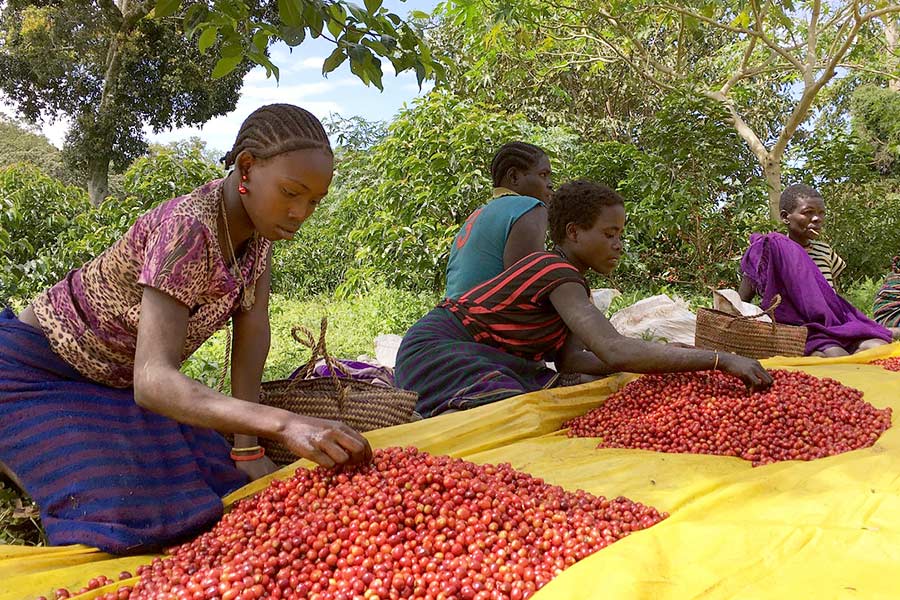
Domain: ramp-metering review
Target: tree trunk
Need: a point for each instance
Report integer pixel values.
(772, 170)
(892, 37)
(103, 119)
(769, 160)
(98, 182)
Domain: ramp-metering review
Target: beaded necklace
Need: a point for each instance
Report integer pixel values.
(235, 267)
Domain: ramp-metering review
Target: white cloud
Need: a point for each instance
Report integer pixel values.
(56, 131)
(427, 86)
(313, 62)
(295, 93)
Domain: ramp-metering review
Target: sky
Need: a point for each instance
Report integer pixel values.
(301, 83)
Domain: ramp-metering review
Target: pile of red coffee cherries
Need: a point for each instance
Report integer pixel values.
(408, 525)
(891, 364)
(800, 417)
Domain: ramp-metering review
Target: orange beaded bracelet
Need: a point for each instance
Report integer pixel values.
(254, 453)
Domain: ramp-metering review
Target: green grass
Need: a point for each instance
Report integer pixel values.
(19, 520)
(861, 294)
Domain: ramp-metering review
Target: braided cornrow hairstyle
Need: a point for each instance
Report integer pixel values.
(275, 129)
(514, 155)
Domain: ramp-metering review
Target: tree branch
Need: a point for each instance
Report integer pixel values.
(132, 12)
(801, 110)
(837, 17)
(580, 33)
(874, 14)
(646, 55)
(742, 70)
(760, 31)
(112, 13)
(864, 69)
(702, 18)
(811, 41)
(744, 130)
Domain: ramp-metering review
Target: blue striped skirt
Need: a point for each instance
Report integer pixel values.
(104, 471)
(440, 360)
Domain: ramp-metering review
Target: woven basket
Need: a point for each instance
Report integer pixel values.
(363, 406)
(717, 330)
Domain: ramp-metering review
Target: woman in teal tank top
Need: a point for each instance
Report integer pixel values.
(512, 225)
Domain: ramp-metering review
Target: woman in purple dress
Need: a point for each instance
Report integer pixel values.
(802, 270)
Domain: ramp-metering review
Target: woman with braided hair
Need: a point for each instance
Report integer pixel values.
(118, 447)
(510, 226)
(490, 343)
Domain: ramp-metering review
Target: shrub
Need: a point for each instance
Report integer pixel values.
(35, 210)
(48, 228)
(413, 190)
(864, 225)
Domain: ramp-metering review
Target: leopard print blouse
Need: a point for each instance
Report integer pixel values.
(91, 317)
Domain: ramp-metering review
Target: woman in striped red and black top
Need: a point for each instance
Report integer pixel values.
(491, 342)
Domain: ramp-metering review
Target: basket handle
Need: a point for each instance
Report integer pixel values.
(770, 312)
(304, 336)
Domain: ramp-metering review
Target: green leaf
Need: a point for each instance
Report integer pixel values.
(418, 14)
(372, 6)
(290, 13)
(375, 73)
(378, 47)
(226, 65)
(235, 10)
(420, 73)
(166, 8)
(263, 60)
(314, 20)
(742, 20)
(261, 40)
(389, 42)
(361, 64)
(335, 26)
(357, 12)
(293, 36)
(358, 53)
(232, 49)
(207, 38)
(195, 16)
(334, 60)
(338, 12)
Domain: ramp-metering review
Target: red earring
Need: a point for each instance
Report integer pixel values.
(242, 188)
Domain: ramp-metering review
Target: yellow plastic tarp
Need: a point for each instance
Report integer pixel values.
(828, 528)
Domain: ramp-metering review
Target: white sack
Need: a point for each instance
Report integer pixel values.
(657, 318)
